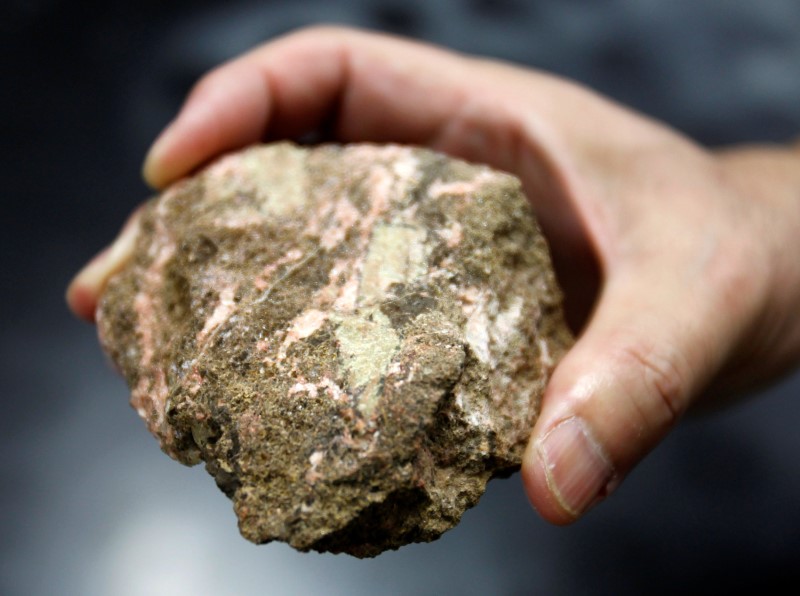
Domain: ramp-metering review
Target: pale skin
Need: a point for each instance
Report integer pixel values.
(680, 264)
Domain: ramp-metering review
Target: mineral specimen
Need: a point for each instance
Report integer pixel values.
(353, 339)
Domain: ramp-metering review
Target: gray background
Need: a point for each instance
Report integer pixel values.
(89, 504)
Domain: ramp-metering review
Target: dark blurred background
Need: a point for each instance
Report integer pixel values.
(90, 506)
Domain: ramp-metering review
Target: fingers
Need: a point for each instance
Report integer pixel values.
(85, 289)
(650, 347)
(384, 88)
(359, 87)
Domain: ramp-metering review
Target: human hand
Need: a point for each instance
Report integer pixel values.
(679, 265)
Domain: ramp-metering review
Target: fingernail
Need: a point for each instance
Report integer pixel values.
(152, 161)
(175, 146)
(578, 471)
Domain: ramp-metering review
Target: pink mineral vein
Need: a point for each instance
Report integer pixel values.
(149, 396)
(222, 312)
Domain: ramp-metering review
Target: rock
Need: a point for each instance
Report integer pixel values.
(353, 339)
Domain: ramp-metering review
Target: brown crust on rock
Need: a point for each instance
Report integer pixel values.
(353, 339)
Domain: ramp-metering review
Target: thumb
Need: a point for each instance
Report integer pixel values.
(619, 390)
(86, 287)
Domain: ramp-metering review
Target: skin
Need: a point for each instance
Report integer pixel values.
(679, 263)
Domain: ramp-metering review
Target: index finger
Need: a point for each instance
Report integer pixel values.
(368, 87)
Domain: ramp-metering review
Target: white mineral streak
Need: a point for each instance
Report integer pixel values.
(545, 358)
(406, 169)
(239, 220)
(222, 312)
(305, 325)
(301, 327)
(506, 324)
(333, 390)
(403, 375)
(476, 413)
(309, 388)
(367, 344)
(262, 281)
(386, 185)
(440, 188)
(396, 254)
(315, 459)
(334, 291)
(345, 217)
(477, 331)
(348, 296)
(488, 329)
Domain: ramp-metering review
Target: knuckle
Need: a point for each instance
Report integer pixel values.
(662, 373)
(324, 30)
(739, 285)
(206, 84)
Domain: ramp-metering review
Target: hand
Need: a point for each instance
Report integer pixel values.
(680, 265)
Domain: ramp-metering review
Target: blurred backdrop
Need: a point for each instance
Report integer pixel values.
(90, 506)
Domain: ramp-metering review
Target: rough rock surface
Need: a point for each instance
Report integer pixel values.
(353, 339)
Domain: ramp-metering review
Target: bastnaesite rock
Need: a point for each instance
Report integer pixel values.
(354, 339)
